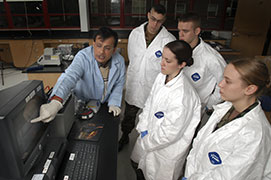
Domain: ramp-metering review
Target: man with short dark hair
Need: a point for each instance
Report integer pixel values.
(207, 70)
(96, 73)
(145, 45)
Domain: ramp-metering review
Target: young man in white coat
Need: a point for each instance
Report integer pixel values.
(208, 67)
(145, 45)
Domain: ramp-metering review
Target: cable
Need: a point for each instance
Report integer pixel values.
(31, 50)
(26, 18)
(63, 10)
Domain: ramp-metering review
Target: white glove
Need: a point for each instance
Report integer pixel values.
(116, 110)
(48, 111)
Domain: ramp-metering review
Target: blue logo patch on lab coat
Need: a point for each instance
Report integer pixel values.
(214, 158)
(195, 77)
(158, 53)
(159, 114)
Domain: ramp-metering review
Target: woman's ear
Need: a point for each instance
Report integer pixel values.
(182, 65)
(251, 89)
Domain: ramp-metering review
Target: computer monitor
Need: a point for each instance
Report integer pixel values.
(21, 142)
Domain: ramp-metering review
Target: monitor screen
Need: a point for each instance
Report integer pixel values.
(28, 134)
(21, 142)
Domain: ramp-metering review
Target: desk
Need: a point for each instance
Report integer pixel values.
(225, 51)
(49, 74)
(108, 142)
(107, 164)
(108, 147)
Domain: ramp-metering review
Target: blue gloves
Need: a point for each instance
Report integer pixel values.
(144, 133)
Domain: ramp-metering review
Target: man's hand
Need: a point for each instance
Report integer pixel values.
(116, 110)
(48, 111)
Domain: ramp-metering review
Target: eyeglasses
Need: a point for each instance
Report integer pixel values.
(159, 21)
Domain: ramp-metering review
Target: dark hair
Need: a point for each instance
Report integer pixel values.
(182, 51)
(253, 72)
(191, 17)
(105, 33)
(159, 8)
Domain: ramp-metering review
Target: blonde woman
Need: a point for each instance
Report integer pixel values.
(235, 143)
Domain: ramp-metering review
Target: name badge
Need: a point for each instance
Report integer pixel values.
(195, 77)
(158, 53)
(214, 158)
(159, 114)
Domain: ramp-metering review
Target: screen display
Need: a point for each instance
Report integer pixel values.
(28, 134)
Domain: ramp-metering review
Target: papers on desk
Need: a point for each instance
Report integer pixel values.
(53, 56)
(68, 57)
(88, 132)
(49, 60)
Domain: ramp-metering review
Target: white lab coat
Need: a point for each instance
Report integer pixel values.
(144, 64)
(171, 115)
(239, 150)
(206, 73)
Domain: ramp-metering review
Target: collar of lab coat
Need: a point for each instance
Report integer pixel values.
(142, 29)
(222, 109)
(197, 50)
(197, 43)
(172, 81)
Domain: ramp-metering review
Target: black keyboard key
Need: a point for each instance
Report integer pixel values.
(82, 163)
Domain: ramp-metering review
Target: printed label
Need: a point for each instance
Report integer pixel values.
(158, 53)
(30, 96)
(195, 77)
(214, 158)
(51, 155)
(39, 88)
(46, 166)
(72, 156)
(37, 177)
(159, 114)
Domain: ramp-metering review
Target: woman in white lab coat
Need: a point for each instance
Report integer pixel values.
(236, 141)
(169, 118)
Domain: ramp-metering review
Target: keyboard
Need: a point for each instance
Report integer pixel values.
(81, 162)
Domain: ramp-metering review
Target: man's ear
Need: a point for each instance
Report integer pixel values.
(148, 15)
(197, 31)
(251, 89)
(114, 50)
(165, 18)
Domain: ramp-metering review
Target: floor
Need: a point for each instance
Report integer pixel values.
(13, 76)
(125, 170)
